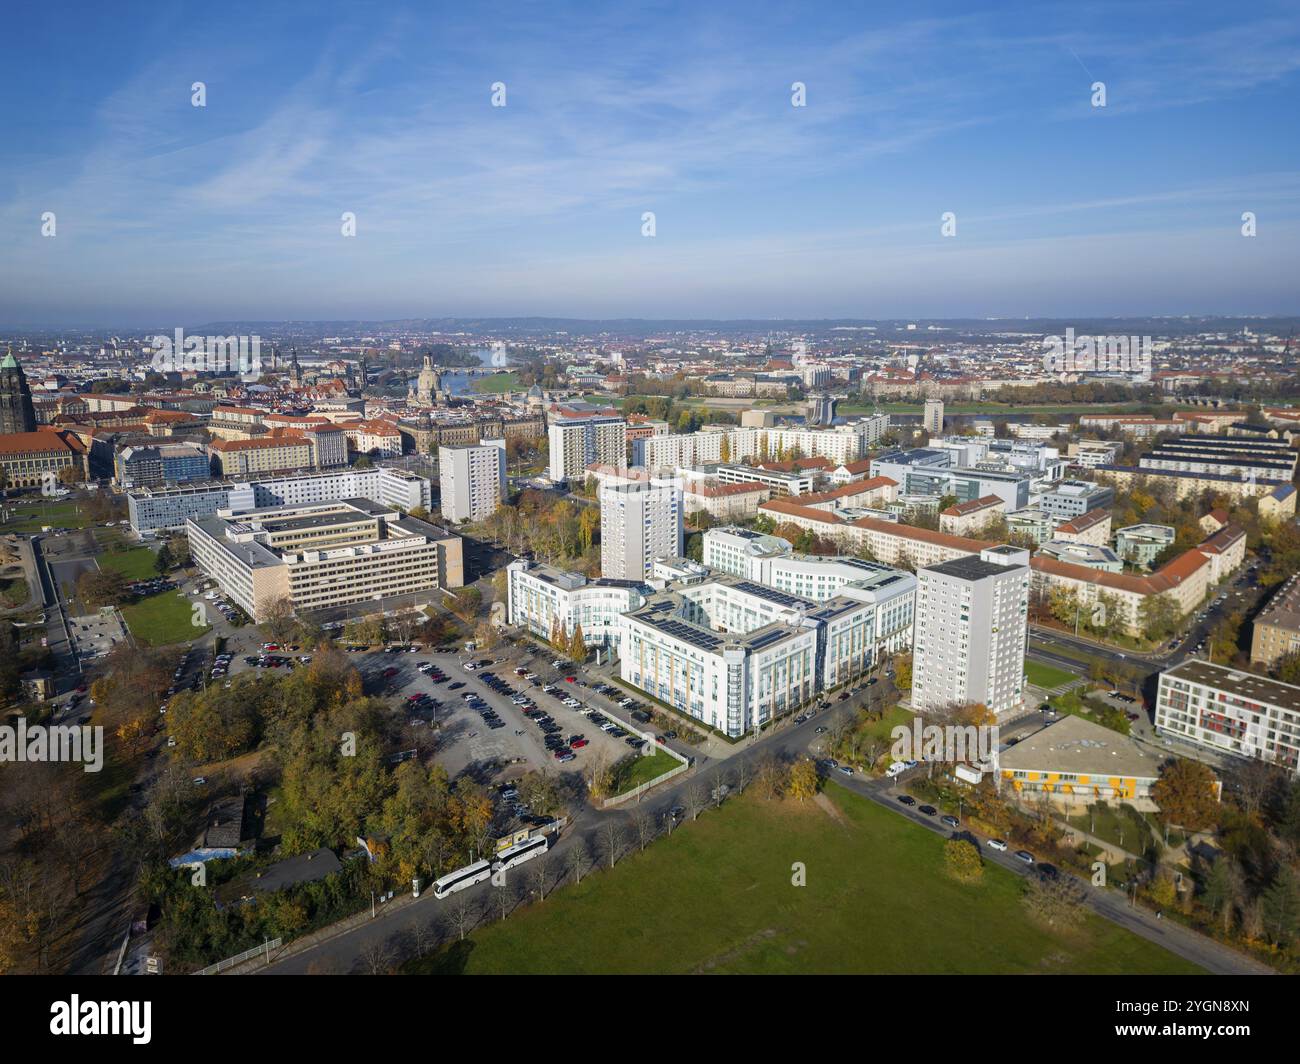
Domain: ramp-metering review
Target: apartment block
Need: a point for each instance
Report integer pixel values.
(1230, 712)
(970, 632)
(472, 480)
(639, 522)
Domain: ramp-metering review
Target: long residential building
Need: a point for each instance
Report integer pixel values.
(1275, 632)
(1126, 478)
(323, 555)
(1184, 581)
(1231, 712)
(748, 445)
(892, 543)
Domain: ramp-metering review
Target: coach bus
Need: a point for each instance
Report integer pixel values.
(520, 852)
(462, 878)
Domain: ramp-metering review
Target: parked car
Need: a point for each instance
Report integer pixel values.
(906, 799)
(997, 844)
(1025, 855)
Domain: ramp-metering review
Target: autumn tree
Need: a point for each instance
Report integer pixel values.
(962, 861)
(802, 780)
(577, 647)
(1187, 794)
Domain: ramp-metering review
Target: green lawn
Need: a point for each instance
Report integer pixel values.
(134, 564)
(1047, 676)
(31, 518)
(718, 897)
(1124, 827)
(499, 382)
(162, 619)
(634, 771)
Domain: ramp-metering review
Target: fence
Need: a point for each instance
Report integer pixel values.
(239, 958)
(636, 792)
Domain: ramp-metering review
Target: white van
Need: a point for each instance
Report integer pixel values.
(896, 769)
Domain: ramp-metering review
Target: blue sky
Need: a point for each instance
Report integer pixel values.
(171, 213)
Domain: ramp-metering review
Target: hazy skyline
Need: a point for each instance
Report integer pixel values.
(167, 211)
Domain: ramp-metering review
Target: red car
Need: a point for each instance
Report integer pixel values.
(570, 679)
(390, 672)
(578, 744)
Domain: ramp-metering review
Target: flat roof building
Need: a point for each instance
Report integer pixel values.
(1231, 712)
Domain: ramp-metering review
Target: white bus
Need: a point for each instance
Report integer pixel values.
(462, 878)
(520, 852)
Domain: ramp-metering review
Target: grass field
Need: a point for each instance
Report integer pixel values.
(498, 382)
(29, 519)
(162, 619)
(634, 771)
(718, 897)
(1047, 676)
(134, 564)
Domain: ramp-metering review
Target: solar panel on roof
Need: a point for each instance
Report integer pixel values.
(779, 597)
(687, 634)
(765, 638)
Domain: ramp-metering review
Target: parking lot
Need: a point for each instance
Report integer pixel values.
(490, 722)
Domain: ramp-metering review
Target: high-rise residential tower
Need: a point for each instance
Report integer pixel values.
(972, 616)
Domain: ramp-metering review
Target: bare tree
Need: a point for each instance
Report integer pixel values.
(744, 774)
(539, 875)
(770, 778)
(378, 958)
(505, 898)
(611, 834)
(643, 823)
(578, 859)
(695, 799)
(424, 936)
(463, 913)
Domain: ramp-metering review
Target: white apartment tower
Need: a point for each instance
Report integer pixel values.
(577, 442)
(933, 418)
(970, 630)
(639, 522)
(473, 480)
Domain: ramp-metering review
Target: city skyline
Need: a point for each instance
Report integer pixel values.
(167, 211)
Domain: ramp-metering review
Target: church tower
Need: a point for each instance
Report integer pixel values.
(16, 411)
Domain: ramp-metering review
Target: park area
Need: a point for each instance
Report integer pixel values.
(717, 897)
(162, 619)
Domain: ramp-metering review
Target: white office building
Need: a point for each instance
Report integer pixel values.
(158, 509)
(539, 596)
(970, 632)
(769, 560)
(639, 522)
(472, 479)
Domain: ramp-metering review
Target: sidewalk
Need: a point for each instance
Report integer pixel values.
(324, 934)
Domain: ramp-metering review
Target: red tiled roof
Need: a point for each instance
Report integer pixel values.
(1084, 521)
(963, 509)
